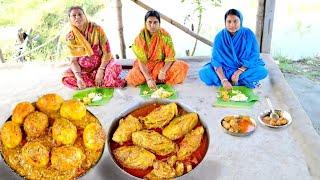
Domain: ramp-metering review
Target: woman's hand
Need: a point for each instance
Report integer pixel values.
(226, 84)
(162, 75)
(81, 84)
(235, 77)
(151, 84)
(99, 77)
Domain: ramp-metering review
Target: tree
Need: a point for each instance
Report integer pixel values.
(198, 10)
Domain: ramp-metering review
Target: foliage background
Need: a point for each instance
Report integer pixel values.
(293, 41)
(47, 18)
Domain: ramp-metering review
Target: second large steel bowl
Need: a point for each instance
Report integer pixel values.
(138, 105)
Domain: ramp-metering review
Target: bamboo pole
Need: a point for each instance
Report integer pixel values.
(175, 23)
(120, 28)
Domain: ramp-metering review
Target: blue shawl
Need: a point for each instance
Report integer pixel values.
(232, 52)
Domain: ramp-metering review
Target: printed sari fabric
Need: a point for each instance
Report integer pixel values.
(154, 51)
(232, 52)
(90, 48)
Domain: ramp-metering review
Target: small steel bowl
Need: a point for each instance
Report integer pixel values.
(135, 106)
(284, 114)
(239, 134)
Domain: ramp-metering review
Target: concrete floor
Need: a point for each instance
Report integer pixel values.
(308, 93)
(287, 153)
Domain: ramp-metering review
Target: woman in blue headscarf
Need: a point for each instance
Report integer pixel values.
(235, 56)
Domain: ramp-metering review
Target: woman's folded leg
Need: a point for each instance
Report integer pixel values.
(70, 80)
(135, 77)
(252, 76)
(209, 76)
(177, 73)
(112, 75)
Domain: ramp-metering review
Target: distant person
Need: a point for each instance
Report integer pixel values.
(21, 44)
(22, 35)
(155, 53)
(92, 64)
(235, 56)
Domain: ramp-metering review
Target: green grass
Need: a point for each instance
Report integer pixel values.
(285, 64)
(308, 66)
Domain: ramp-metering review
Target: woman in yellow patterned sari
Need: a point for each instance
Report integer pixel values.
(91, 60)
(155, 56)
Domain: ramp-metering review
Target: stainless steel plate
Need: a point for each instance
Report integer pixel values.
(239, 134)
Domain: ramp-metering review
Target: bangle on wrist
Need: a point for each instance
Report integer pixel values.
(241, 69)
(102, 68)
(224, 80)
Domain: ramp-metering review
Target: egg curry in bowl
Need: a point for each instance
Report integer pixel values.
(51, 139)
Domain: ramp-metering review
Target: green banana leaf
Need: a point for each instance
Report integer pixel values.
(252, 98)
(107, 94)
(144, 87)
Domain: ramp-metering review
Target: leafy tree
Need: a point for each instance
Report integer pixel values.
(198, 11)
(46, 17)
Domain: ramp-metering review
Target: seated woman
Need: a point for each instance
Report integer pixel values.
(235, 56)
(155, 56)
(91, 60)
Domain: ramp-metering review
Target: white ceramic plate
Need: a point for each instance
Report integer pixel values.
(285, 114)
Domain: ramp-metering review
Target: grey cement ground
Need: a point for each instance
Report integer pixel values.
(308, 93)
(287, 153)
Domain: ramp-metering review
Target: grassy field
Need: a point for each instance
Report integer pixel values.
(308, 67)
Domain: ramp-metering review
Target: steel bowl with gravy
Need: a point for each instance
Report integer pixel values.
(158, 139)
(52, 138)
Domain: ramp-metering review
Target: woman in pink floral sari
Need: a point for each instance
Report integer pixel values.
(91, 60)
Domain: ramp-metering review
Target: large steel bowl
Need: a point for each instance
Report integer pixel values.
(138, 105)
(16, 175)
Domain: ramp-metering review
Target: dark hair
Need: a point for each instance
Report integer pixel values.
(75, 7)
(233, 12)
(152, 13)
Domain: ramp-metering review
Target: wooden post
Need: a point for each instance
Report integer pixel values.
(259, 22)
(120, 28)
(264, 24)
(176, 24)
(1, 57)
